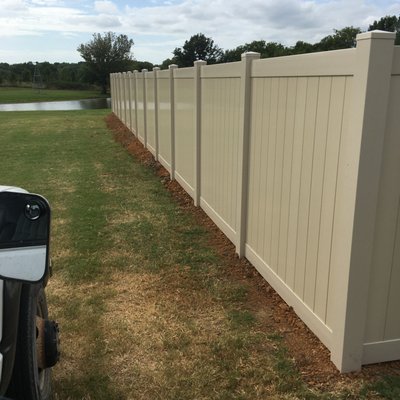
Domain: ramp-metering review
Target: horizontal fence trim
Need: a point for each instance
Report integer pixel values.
(149, 74)
(218, 220)
(396, 61)
(164, 163)
(182, 73)
(230, 70)
(330, 63)
(182, 181)
(321, 330)
(151, 148)
(163, 74)
(388, 350)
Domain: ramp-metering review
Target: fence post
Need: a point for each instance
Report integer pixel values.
(244, 136)
(156, 69)
(124, 96)
(129, 102)
(197, 130)
(357, 196)
(135, 72)
(172, 103)
(118, 78)
(144, 71)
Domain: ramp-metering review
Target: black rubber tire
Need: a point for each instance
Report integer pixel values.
(28, 382)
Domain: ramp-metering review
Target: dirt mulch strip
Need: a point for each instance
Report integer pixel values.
(311, 357)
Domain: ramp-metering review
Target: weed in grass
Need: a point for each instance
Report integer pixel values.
(241, 319)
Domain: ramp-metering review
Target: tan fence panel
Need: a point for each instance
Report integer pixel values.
(119, 94)
(132, 101)
(383, 320)
(296, 126)
(125, 99)
(184, 128)
(220, 121)
(150, 113)
(140, 106)
(164, 117)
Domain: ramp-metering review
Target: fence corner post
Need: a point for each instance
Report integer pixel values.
(157, 149)
(197, 130)
(357, 197)
(244, 136)
(171, 68)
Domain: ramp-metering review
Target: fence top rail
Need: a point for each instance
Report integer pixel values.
(149, 74)
(228, 70)
(163, 74)
(328, 63)
(396, 61)
(184, 72)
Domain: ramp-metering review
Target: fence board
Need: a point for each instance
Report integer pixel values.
(219, 146)
(184, 131)
(140, 106)
(164, 115)
(150, 113)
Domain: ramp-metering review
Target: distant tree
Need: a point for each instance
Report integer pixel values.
(139, 65)
(302, 47)
(198, 47)
(341, 39)
(105, 54)
(389, 24)
(166, 63)
(266, 49)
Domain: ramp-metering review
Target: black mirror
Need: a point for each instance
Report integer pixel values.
(24, 236)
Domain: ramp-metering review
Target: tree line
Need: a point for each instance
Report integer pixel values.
(109, 53)
(200, 47)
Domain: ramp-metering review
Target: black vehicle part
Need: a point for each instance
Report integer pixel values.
(11, 303)
(47, 343)
(29, 382)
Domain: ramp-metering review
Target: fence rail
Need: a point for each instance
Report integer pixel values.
(296, 159)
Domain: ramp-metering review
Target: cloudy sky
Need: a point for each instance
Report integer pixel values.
(51, 30)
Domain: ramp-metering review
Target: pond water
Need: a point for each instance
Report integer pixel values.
(87, 104)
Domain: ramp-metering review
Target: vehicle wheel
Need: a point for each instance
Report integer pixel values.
(29, 382)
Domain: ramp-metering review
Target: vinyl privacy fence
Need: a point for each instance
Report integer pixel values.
(297, 160)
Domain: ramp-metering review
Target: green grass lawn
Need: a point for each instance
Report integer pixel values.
(147, 308)
(10, 95)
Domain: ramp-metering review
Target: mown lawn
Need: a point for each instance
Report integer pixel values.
(10, 95)
(146, 306)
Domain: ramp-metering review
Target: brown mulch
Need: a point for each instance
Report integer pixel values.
(310, 356)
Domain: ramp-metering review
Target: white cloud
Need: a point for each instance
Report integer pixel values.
(105, 7)
(158, 26)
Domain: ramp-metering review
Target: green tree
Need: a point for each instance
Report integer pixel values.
(302, 47)
(105, 54)
(198, 47)
(341, 39)
(166, 63)
(389, 24)
(266, 49)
